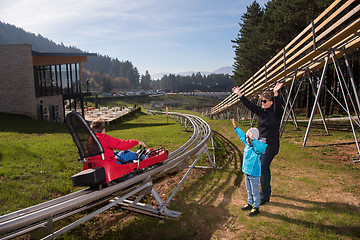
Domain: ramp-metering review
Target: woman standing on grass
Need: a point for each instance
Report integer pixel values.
(269, 117)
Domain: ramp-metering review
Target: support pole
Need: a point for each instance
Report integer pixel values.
(319, 107)
(288, 100)
(290, 113)
(291, 106)
(213, 148)
(347, 89)
(351, 74)
(88, 217)
(356, 121)
(167, 203)
(317, 98)
(336, 65)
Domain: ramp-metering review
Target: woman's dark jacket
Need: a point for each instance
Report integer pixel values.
(268, 122)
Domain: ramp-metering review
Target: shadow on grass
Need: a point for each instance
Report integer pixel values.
(314, 206)
(23, 124)
(342, 126)
(231, 151)
(219, 182)
(126, 225)
(317, 129)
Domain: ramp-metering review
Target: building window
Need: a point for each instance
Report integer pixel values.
(57, 79)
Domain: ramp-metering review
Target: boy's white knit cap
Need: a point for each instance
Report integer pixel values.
(255, 132)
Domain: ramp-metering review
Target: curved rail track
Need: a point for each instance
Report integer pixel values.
(39, 219)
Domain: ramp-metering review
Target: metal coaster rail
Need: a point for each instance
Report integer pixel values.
(39, 219)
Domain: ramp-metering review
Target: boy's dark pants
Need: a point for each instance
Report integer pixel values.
(265, 177)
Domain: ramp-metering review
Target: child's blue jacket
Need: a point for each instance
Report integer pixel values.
(252, 153)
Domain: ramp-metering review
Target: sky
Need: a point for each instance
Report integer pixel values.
(160, 36)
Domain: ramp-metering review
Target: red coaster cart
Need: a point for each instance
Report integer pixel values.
(104, 172)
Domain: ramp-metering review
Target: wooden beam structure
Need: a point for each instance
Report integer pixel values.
(336, 29)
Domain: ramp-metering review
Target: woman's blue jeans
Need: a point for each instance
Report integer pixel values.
(252, 188)
(265, 177)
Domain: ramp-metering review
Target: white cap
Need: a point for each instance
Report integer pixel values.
(255, 132)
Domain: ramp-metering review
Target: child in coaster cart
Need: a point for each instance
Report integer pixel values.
(110, 143)
(251, 166)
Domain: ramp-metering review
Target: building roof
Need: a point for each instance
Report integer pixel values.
(47, 58)
(61, 54)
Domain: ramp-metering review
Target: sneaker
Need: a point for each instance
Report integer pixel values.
(263, 201)
(254, 211)
(247, 207)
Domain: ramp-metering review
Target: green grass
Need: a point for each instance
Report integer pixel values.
(40, 157)
(35, 158)
(315, 195)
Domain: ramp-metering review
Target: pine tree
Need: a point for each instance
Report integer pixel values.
(246, 51)
(145, 80)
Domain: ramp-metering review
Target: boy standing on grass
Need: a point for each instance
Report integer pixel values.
(251, 166)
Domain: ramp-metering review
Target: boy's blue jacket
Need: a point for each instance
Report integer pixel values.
(252, 153)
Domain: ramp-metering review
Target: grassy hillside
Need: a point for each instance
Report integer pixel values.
(315, 191)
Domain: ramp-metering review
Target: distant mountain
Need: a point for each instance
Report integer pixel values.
(222, 70)
(10, 34)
